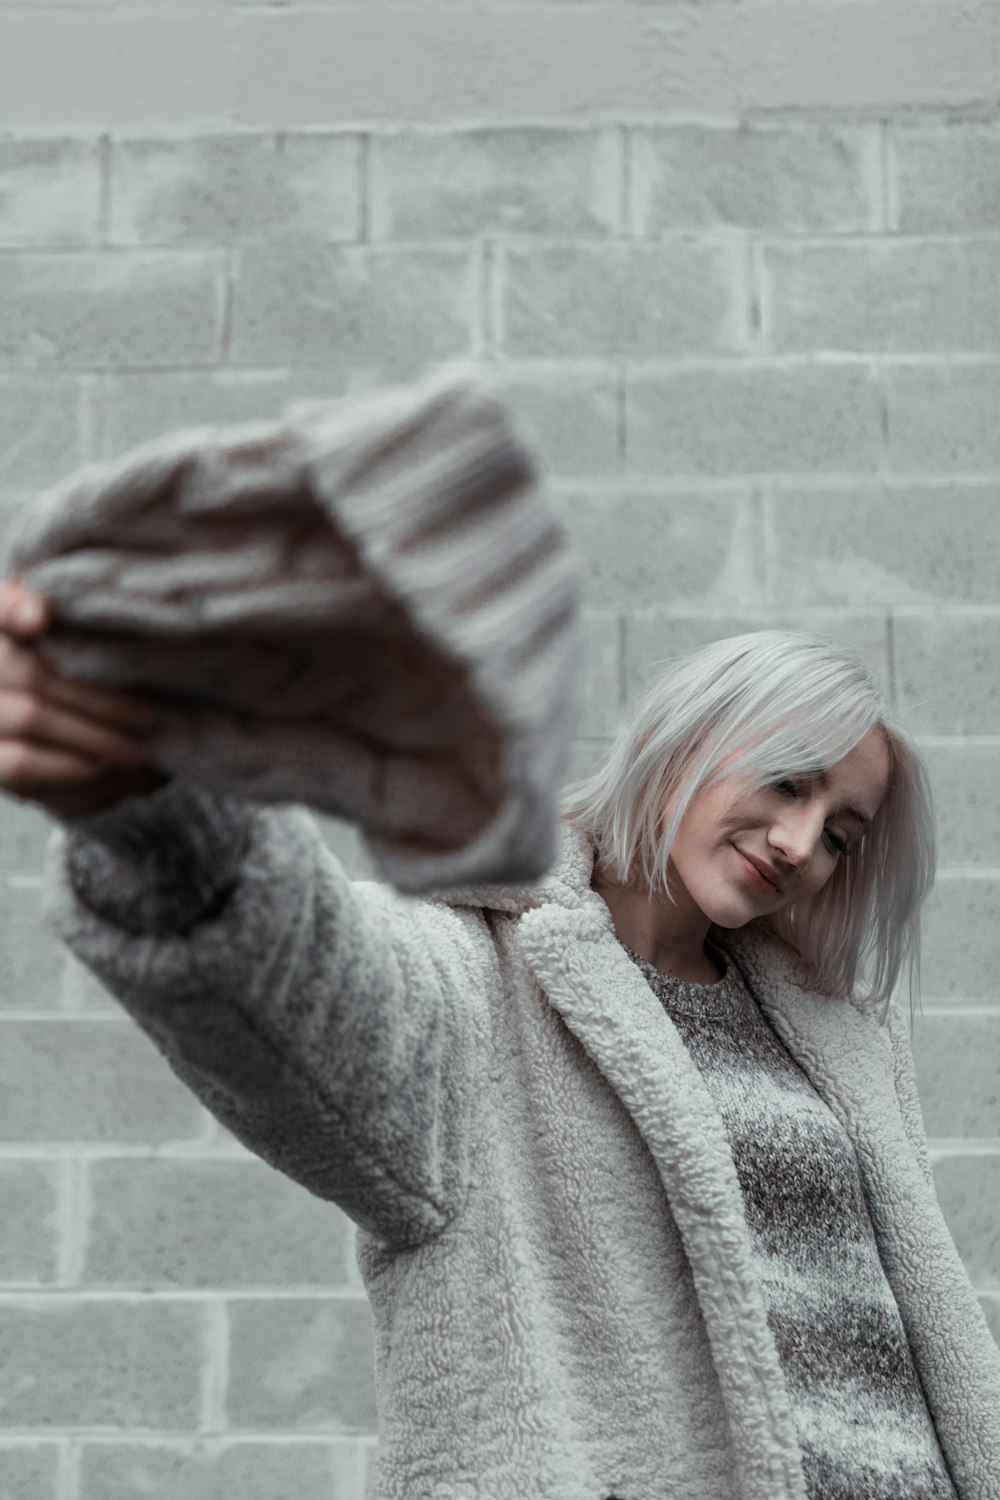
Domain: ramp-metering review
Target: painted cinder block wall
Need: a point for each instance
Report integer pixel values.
(738, 267)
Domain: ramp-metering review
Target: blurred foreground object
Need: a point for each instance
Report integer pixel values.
(364, 605)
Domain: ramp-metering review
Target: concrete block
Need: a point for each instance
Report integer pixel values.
(309, 304)
(217, 1471)
(964, 778)
(43, 424)
(29, 1215)
(50, 192)
(957, 948)
(883, 296)
(29, 1471)
(876, 544)
(156, 1222)
(219, 1138)
(136, 408)
(435, 183)
(24, 832)
(627, 301)
(653, 636)
(93, 1080)
(944, 175)
(946, 677)
(301, 1365)
(108, 309)
(640, 547)
(795, 176)
(82, 990)
(753, 418)
(235, 187)
(942, 419)
(32, 958)
(600, 685)
(100, 1364)
(370, 1477)
(568, 416)
(957, 1063)
(968, 1189)
(13, 504)
(585, 758)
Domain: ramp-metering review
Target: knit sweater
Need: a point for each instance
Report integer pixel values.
(859, 1409)
(365, 605)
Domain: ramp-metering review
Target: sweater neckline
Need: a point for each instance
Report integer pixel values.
(721, 997)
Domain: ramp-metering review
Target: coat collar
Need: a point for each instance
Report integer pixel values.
(566, 887)
(565, 932)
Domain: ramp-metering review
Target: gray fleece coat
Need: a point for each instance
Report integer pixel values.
(550, 1225)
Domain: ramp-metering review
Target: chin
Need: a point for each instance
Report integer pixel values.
(731, 917)
(729, 905)
(727, 911)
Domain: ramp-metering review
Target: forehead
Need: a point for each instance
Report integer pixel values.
(859, 781)
(865, 769)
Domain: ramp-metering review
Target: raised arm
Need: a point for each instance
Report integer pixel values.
(330, 1024)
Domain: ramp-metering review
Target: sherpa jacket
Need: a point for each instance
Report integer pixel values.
(550, 1226)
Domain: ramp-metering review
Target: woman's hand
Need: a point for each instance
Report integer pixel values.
(71, 749)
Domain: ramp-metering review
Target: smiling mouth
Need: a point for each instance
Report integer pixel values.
(752, 868)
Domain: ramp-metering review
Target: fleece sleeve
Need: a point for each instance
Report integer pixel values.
(330, 1024)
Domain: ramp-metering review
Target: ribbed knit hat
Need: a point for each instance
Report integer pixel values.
(365, 606)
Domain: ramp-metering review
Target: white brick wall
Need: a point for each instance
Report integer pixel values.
(759, 354)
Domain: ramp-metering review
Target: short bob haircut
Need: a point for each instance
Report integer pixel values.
(765, 706)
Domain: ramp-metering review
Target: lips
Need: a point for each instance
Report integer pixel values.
(763, 873)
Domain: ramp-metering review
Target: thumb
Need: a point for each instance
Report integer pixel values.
(23, 612)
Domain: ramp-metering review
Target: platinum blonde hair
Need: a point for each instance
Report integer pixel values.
(773, 704)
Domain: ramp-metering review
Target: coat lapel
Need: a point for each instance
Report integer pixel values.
(602, 997)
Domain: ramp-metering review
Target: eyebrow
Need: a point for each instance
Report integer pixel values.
(846, 807)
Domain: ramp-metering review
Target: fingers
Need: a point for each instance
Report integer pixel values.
(23, 612)
(26, 717)
(27, 768)
(97, 792)
(22, 667)
(65, 745)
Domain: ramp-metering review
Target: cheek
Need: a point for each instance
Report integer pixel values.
(819, 873)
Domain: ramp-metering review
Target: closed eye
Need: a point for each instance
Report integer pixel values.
(840, 846)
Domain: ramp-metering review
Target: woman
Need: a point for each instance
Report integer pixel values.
(642, 1190)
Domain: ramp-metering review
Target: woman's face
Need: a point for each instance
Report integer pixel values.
(793, 829)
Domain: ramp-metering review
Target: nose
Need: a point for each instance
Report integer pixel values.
(795, 837)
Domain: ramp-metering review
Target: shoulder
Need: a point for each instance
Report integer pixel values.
(450, 933)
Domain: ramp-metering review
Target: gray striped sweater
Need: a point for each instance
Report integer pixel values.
(862, 1418)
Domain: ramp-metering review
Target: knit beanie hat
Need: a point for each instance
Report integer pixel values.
(364, 606)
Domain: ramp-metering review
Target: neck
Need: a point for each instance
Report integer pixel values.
(671, 938)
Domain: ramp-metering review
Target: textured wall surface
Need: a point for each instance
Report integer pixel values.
(745, 297)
